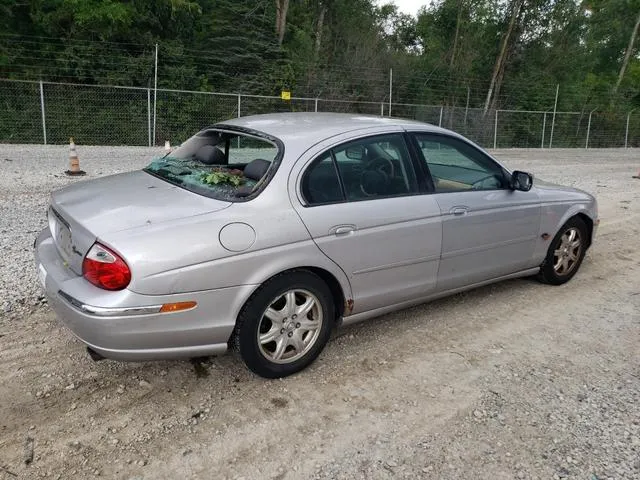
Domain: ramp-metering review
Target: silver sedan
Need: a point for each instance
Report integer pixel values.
(263, 233)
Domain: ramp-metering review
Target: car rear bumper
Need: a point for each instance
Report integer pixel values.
(125, 325)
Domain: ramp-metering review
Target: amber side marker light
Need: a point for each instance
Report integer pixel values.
(177, 307)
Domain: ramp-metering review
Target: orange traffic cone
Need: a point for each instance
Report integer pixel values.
(74, 162)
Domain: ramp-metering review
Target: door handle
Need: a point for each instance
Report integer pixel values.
(343, 229)
(459, 211)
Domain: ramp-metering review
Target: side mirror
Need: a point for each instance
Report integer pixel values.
(522, 181)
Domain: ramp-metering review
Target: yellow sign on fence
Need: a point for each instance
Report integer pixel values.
(285, 95)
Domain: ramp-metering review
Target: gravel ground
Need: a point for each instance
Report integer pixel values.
(516, 380)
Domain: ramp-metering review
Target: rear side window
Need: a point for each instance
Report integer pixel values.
(366, 169)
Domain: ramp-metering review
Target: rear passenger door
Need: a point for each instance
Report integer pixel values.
(488, 230)
(362, 204)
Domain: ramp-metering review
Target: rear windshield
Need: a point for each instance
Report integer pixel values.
(220, 164)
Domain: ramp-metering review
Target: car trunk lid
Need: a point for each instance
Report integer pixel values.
(87, 211)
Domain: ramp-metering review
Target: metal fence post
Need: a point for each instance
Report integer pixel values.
(586, 143)
(149, 114)
(495, 131)
(390, 88)
(382, 109)
(626, 130)
(440, 120)
(544, 125)
(239, 105)
(155, 95)
(553, 119)
(466, 108)
(44, 123)
(316, 106)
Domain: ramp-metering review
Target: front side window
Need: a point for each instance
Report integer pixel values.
(366, 169)
(457, 166)
(219, 164)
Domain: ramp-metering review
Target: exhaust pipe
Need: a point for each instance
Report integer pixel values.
(95, 356)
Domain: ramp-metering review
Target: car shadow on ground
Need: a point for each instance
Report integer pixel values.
(343, 346)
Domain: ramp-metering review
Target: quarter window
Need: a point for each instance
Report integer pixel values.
(320, 183)
(366, 169)
(457, 166)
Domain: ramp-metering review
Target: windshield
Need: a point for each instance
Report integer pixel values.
(220, 164)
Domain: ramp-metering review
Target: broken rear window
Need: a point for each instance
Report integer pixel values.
(218, 163)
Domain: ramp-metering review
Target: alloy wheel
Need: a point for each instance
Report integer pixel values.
(567, 254)
(290, 326)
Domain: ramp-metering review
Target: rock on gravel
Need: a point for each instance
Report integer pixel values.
(28, 451)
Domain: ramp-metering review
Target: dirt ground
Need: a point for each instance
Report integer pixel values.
(515, 380)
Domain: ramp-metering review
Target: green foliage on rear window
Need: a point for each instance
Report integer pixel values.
(212, 163)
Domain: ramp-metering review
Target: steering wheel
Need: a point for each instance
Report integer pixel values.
(376, 176)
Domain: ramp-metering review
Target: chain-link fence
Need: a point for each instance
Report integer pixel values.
(49, 112)
(102, 115)
(20, 113)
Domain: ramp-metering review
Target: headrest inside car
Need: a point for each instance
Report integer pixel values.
(210, 155)
(256, 169)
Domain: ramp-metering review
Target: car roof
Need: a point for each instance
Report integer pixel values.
(314, 127)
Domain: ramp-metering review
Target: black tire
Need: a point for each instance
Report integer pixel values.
(548, 273)
(250, 320)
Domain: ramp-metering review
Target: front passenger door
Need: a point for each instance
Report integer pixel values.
(488, 230)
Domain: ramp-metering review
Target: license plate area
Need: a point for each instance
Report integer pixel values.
(61, 233)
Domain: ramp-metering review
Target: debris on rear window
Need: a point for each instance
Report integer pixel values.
(217, 176)
(212, 163)
(204, 179)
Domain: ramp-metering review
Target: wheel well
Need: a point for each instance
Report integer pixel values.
(334, 286)
(589, 223)
(339, 300)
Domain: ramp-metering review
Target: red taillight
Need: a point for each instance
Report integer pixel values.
(105, 269)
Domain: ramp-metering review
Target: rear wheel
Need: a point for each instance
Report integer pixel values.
(285, 324)
(565, 254)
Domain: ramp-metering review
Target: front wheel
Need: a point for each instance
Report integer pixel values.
(565, 254)
(285, 324)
